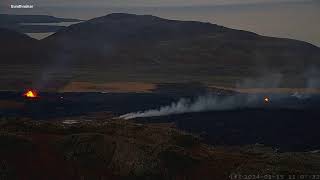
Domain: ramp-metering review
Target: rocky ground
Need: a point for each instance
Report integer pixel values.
(117, 149)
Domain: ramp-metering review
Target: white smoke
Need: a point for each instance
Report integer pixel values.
(213, 102)
(268, 80)
(301, 95)
(312, 83)
(313, 78)
(200, 104)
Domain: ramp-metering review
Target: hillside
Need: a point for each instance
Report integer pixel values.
(145, 48)
(21, 59)
(164, 49)
(16, 46)
(119, 149)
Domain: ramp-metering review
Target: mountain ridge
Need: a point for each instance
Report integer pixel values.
(148, 37)
(146, 48)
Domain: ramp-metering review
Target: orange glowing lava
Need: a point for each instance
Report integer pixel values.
(266, 100)
(31, 94)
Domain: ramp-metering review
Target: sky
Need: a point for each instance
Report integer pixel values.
(295, 19)
(141, 2)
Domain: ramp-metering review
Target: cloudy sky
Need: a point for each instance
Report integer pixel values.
(296, 19)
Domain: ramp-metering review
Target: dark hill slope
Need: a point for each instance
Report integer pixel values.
(116, 149)
(126, 47)
(16, 47)
(141, 44)
(21, 58)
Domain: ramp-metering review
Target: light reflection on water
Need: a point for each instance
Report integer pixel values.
(51, 24)
(43, 35)
(39, 36)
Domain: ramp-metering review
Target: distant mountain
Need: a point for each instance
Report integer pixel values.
(127, 47)
(124, 29)
(20, 23)
(148, 44)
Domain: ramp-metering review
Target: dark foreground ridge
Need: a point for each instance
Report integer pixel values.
(115, 149)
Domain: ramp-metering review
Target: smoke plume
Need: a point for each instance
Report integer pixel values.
(200, 104)
(214, 102)
(313, 78)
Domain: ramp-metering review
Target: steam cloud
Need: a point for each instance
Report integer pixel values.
(213, 102)
(313, 78)
(200, 104)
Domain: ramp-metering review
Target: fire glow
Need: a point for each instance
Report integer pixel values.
(31, 94)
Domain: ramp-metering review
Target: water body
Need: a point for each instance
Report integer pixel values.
(52, 24)
(40, 36)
